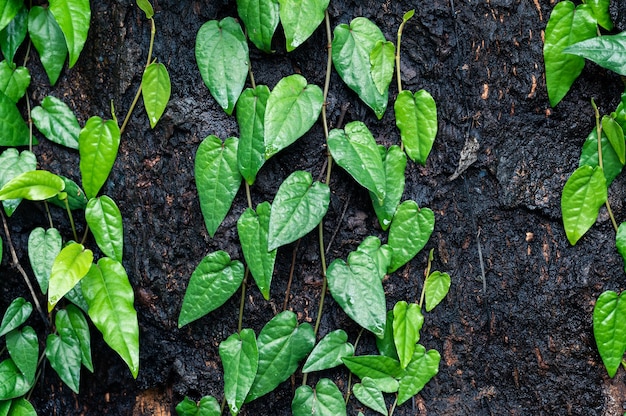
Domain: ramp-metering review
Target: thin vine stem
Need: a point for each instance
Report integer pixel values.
(242, 302)
(601, 161)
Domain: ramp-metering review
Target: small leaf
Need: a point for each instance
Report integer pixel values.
(23, 347)
(261, 19)
(326, 400)
(55, 120)
(63, 352)
(381, 254)
(15, 132)
(12, 164)
(416, 118)
(329, 352)
(14, 80)
(300, 18)
(410, 230)
(382, 61)
(607, 51)
(72, 320)
(240, 358)
(98, 143)
(367, 392)
(299, 206)
(615, 134)
(407, 322)
(208, 406)
(373, 366)
(609, 329)
(394, 164)
(156, 89)
(250, 117)
(146, 7)
(8, 10)
(48, 39)
(14, 382)
(34, 185)
(408, 15)
(423, 366)
(212, 283)
(589, 156)
(16, 314)
(12, 36)
(69, 267)
(73, 18)
(105, 222)
(436, 288)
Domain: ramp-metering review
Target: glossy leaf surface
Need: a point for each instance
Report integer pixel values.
(416, 118)
(207, 406)
(300, 18)
(16, 314)
(325, 400)
(261, 19)
(609, 329)
(43, 248)
(329, 352)
(607, 51)
(14, 130)
(155, 89)
(48, 39)
(8, 10)
(251, 120)
(69, 267)
(72, 320)
(12, 164)
(410, 230)
(436, 288)
(72, 195)
(55, 120)
(423, 366)
(63, 352)
(105, 222)
(23, 347)
(240, 358)
(22, 407)
(74, 18)
(382, 60)
(589, 156)
(615, 135)
(373, 366)
(13, 80)
(34, 185)
(14, 382)
(394, 165)
(407, 323)
(381, 254)
(367, 392)
(98, 143)
(620, 242)
(12, 36)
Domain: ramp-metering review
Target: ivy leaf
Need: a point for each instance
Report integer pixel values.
(416, 118)
(71, 319)
(110, 298)
(72, 195)
(12, 36)
(69, 267)
(251, 118)
(407, 322)
(212, 283)
(55, 120)
(73, 18)
(615, 135)
(48, 39)
(436, 288)
(253, 229)
(300, 18)
(410, 230)
(381, 254)
(609, 329)
(156, 89)
(355, 150)
(292, 108)
(22, 407)
(208, 406)
(16, 314)
(12, 164)
(261, 19)
(240, 358)
(358, 289)
(217, 178)
(382, 61)
(34, 185)
(8, 10)
(351, 50)
(15, 132)
(14, 80)
(589, 156)
(14, 383)
(222, 57)
(329, 352)
(63, 352)
(423, 366)
(43, 248)
(583, 195)
(105, 222)
(326, 400)
(146, 7)
(98, 143)
(282, 344)
(367, 392)
(23, 347)
(607, 51)
(299, 206)
(394, 165)
(373, 366)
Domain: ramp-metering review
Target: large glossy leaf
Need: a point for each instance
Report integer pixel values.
(407, 322)
(351, 49)
(55, 120)
(568, 24)
(423, 366)
(69, 267)
(381, 254)
(22, 407)
(282, 344)
(12, 164)
(374, 366)
(155, 89)
(23, 347)
(217, 178)
(394, 165)
(261, 19)
(329, 352)
(222, 57)
(13, 80)
(583, 195)
(105, 222)
(253, 229)
(325, 400)
(355, 150)
(357, 288)
(300, 18)
(98, 143)
(212, 283)
(609, 329)
(8, 10)
(16, 314)
(48, 39)
(292, 108)
(299, 206)
(382, 60)
(607, 51)
(251, 119)
(34, 185)
(64, 353)
(589, 156)
(410, 230)
(72, 320)
(615, 134)
(240, 358)
(110, 298)
(367, 392)
(73, 18)
(12, 36)
(436, 288)
(14, 383)
(416, 118)
(207, 406)
(14, 130)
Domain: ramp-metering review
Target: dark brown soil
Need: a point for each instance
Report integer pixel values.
(522, 347)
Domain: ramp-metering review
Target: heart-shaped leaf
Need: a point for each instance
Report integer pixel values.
(416, 118)
(251, 119)
(43, 248)
(394, 164)
(155, 89)
(12, 164)
(367, 392)
(589, 156)
(407, 322)
(208, 406)
(63, 353)
(73, 18)
(98, 143)
(15, 383)
(261, 19)
(329, 352)
(609, 329)
(73, 320)
(373, 366)
(34, 185)
(436, 288)
(381, 254)
(48, 39)
(8, 10)
(12, 36)
(105, 222)
(382, 60)
(55, 120)
(423, 366)
(23, 347)
(13, 80)
(300, 18)
(69, 267)
(600, 11)
(240, 358)
(21, 407)
(326, 400)
(15, 132)
(410, 230)
(16, 314)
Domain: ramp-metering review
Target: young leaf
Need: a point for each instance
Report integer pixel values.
(14, 382)
(615, 135)
(326, 400)
(9, 9)
(98, 143)
(34, 185)
(253, 228)
(48, 39)
(251, 118)
(299, 206)
(436, 288)
(423, 366)
(381, 254)
(12, 36)
(416, 118)
(261, 19)
(583, 195)
(110, 298)
(13, 80)
(16, 314)
(407, 322)
(146, 7)
(69, 267)
(410, 230)
(600, 11)
(208, 406)
(23, 348)
(300, 18)
(156, 89)
(73, 320)
(609, 329)
(105, 222)
(607, 51)
(43, 248)
(329, 352)
(394, 164)
(382, 61)
(355, 150)
(292, 108)
(217, 179)
(386, 345)
(351, 50)
(357, 288)
(63, 352)
(12, 164)
(73, 18)
(222, 57)
(212, 283)
(55, 120)
(373, 366)
(14, 130)
(367, 392)
(240, 358)
(282, 344)
(589, 156)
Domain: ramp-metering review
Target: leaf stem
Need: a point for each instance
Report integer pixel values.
(242, 302)
(426, 274)
(71, 217)
(405, 19)
(601, 161)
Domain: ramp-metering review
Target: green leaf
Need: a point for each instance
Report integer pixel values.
(410, 230)
(251, 118)
(600, 10)
(436, 288)
(408, 15)
(292, 108)
(69, 267)
(146, 7)
(568, 24)
(326, 400)
(110, 298)
(607, 51)
(416, 118)
(299, 206)
(48, 39)
(253, 229)
(609, 329)
(105, 222)
(351, 50)
(407, 322)
(222, 57)
(329, 352)
(16, 314)
(217, 179)
(34, 185)
(23, 347)
(212, 283)
(394, 165)
(72, 193)
(240, 358)
(373, 366)
(73, 321)
(261, 19)
(76, 297)
(386, 345)
(367, 392)
(14, 383)
(12, 164)
(15, 132)
(381, 254)
(208, 406)
(14, 80)
(55, 120)
(300, 18)
(357, 288)
(22, 407)
(156, 89)
(64, 352)
(583, 195)
(73, 18)
(12, 36)
(5, 406)
(589, 156)
(282, 344)
(620, 242)
(8, 10)
(423, 366)
(98, 143)
(355, 150)
(382, 61)
(615, 135)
